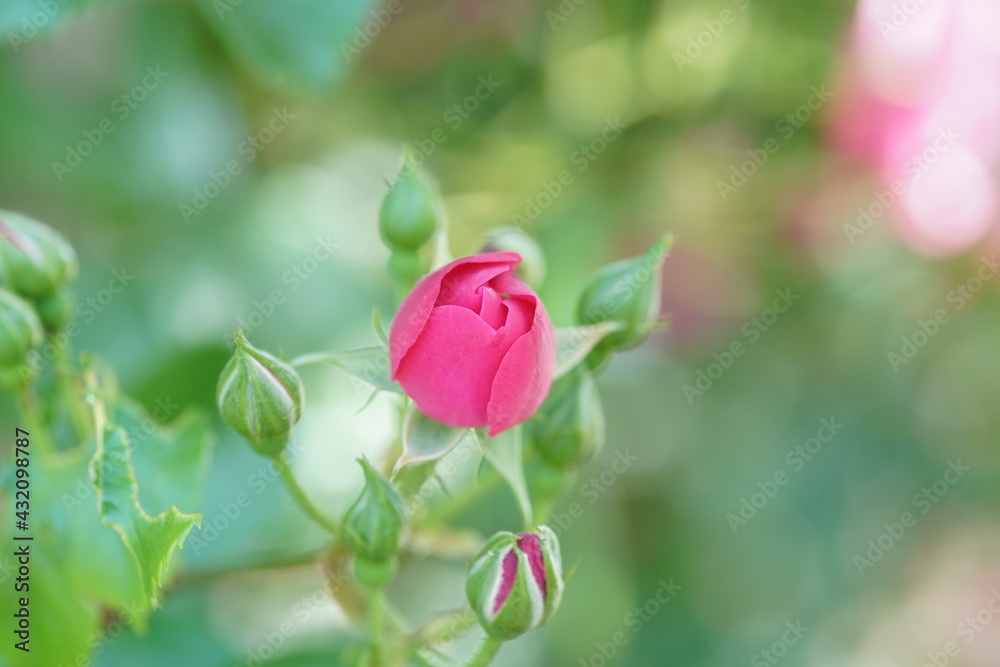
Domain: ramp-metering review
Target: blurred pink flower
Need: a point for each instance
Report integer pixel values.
(920, 102)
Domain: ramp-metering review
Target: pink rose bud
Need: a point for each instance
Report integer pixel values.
(473, 346)
(515, 584)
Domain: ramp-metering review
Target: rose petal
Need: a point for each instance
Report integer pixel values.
(508, 283)
(524, 376)
(416, 308)
(532, 548)
(520, 313)
(493, 310)
(508, 575)
(449, 371)
(460, 286)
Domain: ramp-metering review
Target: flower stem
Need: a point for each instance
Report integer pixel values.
(486, 653)
(375, 612)
(31, 409)
(300, 497)
(65, 376)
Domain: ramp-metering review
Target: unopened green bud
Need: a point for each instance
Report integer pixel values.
(515, 583)
(260, 397)
(405, 268)
(627, 292)
(374, 524)
(411, 210)
(35, 260)
(56, 310)
(532, 267)
(20, 330)
(568, 430)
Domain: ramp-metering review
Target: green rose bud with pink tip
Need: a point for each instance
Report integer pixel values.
(516, 582)
(35, 260)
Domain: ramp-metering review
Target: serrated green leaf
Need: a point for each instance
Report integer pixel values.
(504, 452)
(295, 42)
(151, 540)
(573, 344)
(171, 461)
(425, 439)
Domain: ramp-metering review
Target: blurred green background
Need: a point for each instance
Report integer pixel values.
(307, 102)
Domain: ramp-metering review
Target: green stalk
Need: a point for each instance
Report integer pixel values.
(486, 653)
(300, 497)
(375, 613)
(64, 375)
(31, 409)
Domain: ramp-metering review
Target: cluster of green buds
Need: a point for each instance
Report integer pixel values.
(36, 267)
(260, 397)
(628, 293)
(410, 215)
(516, 582)
(566, 433)
(373, 528)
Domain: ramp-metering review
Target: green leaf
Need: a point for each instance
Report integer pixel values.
(171, 462)
(62, 623)
(573, 344)
(63, 617)
(504, 452)
(371, 365)
(425, 439)
(298, 43)
(151, 540)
